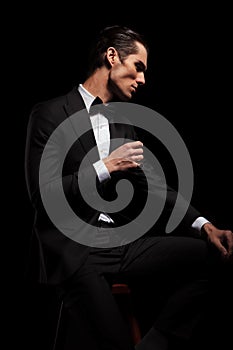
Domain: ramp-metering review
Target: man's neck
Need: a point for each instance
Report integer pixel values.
(97, 85)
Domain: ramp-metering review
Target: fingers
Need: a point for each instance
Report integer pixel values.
(225, 243)
(136, 158)
(229, 241)
(136, 144)
(128, 155)
(125, 164)
(133, 151)
(222, 249)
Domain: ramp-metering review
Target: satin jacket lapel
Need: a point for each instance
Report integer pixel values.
(80, 120)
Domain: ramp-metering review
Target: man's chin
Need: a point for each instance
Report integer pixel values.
(122, 98)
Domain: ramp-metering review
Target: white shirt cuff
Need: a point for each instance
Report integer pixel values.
(199, 222)
(101, 170)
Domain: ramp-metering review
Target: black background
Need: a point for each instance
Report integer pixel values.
(188, 82)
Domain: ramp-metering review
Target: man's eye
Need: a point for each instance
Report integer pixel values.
(139, 67)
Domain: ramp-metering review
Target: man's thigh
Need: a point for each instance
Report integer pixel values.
(166, 255)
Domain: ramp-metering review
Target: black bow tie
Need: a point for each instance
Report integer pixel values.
(98, 106)
(97, 101)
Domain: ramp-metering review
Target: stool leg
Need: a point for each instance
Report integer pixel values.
(57, 326)
(120, 289)
(136, 333)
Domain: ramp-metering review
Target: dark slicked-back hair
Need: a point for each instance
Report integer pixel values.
(122, 38)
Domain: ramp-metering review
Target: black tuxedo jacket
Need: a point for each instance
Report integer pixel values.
(53, 255)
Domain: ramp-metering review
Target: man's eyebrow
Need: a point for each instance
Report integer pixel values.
(141, 65)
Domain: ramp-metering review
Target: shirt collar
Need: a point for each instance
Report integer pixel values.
(105, 108)
(87, 97)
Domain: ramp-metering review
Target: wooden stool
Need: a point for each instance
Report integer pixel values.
(122, 293)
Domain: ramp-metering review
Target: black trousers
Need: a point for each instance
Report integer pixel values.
(169, 270)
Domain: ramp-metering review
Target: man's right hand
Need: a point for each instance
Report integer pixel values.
(125, 157)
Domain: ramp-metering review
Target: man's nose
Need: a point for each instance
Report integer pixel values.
(141, 78)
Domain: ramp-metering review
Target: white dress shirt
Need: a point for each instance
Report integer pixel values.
(100, 127)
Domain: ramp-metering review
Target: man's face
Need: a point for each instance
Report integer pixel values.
(125, 77)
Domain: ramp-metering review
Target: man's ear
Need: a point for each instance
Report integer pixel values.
(112, 56)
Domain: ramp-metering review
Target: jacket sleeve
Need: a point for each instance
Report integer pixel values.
(45, 155)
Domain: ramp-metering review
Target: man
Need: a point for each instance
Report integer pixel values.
(83, 259)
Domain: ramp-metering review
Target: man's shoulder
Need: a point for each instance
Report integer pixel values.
(57, 101)
(55, 110)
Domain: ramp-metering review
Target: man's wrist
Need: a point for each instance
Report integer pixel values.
(205, 228)
(101, 170)
(199, 223)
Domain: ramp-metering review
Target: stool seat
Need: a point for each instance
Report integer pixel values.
(120, 288)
